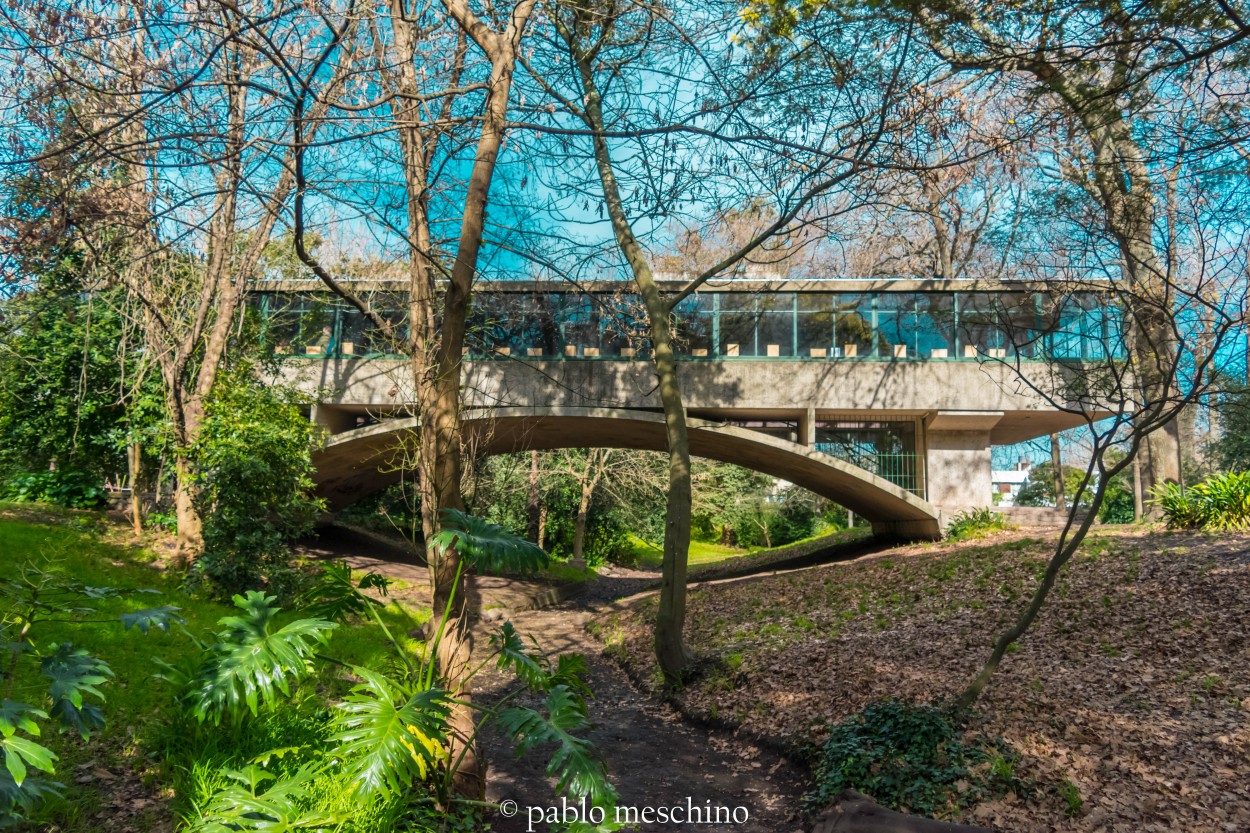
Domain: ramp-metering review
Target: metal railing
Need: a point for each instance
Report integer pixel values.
(899, 468)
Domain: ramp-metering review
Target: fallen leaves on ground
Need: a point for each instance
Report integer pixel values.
(1131, 686)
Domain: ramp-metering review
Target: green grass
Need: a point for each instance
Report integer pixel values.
(648, 555)
(142, 717)
(564, 572)
(135, 703)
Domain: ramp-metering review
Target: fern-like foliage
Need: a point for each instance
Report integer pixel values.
(277, 809)
(390, 735)
(574, 764)
(570, 671)
(487, 546)
(21, 753)
(336, 597)
(534, 668)
(252, 662)
(75, 675)
(159, 617)
(529, 666)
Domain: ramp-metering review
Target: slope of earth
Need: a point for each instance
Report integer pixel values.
(654, 757)
(1128, 700)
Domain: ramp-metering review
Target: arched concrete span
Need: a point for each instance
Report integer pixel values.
(358, 462)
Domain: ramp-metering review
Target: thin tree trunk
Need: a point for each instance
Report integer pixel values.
(1139, 503)
(1069, 541)
(533, 500)
(596, 465)
(670, 649)
(160, 475)
(579, 529)
(1056, 463)
(134, 461)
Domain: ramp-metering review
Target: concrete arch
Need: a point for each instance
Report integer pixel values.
(358, 462)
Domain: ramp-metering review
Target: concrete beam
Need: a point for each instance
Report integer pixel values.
(864, 387)
(364, 460)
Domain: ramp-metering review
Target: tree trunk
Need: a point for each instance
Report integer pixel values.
(1069, 541)
(190, 540)
(592, 473)
(1056, 463)
(1139, 501)
(134, 460)
(579, 529)
(533, 499)
(670, 649)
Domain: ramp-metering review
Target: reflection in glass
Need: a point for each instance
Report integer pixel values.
(737, 324)
(853, 326)
(693, 330)
(815, 325)
(808, 325)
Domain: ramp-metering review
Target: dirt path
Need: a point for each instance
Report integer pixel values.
(655, 758)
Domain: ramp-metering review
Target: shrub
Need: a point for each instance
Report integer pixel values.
(1221, 502)
(393, 729)
(912, 758)
(975, 523)
(64, 487)
(253, 466)
(1117, 502)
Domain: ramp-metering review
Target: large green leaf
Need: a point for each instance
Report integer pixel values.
(252, 663)
(530, 667)
(388, 735)
(75, 675)
(15, 716)
(578, 770)
(160, 617)
(335, 596)
(277, 810)
(18, 752)
(487, 546)
(16, 800)
(535, 669)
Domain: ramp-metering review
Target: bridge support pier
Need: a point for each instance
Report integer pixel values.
(958, 460)
(907, 530)
(333, 419)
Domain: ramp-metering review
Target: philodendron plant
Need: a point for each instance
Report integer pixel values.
(391, 731)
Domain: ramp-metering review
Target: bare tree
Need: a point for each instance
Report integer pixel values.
(198, 178)
(711, 156)
(444, 76)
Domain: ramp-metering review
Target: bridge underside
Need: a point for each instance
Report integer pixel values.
(362, 461)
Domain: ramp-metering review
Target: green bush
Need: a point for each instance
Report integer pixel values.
(975, 523)
(64, 487)
(912, 758)
(253, 467)
(378, 758)
(1117, 502)
(1221, 502)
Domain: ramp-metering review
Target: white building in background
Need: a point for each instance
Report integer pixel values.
(1008, 482)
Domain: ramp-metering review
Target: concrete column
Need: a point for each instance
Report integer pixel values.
(333, 419)
(957, 459)
(807, 428)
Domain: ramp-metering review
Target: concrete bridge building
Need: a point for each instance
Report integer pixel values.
(885, 396)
